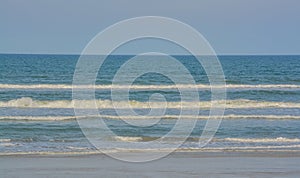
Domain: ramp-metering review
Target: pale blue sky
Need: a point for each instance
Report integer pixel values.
(231, 26)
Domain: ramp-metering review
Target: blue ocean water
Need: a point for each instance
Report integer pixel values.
(36, 112)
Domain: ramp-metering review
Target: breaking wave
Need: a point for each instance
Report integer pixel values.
(239, 140)
(128, 139)
(5, 140)
(65, 118)
(149, 87)
(26, 102)
(263, 140)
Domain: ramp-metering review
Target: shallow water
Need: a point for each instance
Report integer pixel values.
(37, 115)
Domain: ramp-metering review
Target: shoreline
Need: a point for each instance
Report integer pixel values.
(206, 153)
(209, 152)
(141, 151)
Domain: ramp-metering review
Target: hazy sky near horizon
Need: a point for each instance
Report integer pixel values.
(231, 26)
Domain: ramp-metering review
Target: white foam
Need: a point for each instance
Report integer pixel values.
(49, 153)
(38, 118)
(263, 140)
(148, 87)
(65, 118)
(77, 148)
(231, 116)
(285, 148)
(128, 139)
(7, 144)
(258, 147)
(26, 102)
(5, 140)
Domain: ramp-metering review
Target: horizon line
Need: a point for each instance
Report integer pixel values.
(224, 54)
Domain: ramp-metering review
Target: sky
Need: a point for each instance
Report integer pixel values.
(230, 26)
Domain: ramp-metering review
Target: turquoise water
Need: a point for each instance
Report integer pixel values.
(36, 113)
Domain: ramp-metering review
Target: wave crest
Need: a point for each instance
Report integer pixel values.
(26, 102)
(263, 140)
(65, 118)
(148, 87)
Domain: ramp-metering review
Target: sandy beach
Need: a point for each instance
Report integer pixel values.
(178, 164)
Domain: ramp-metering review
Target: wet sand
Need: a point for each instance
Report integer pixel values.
(178, 164)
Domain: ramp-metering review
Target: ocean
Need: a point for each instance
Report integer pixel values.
(37, 114)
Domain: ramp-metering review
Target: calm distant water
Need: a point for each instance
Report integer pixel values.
(36, 114)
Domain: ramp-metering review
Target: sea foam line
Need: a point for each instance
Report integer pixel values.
(26, 102)
(263, 140)
(256, 149)
(147, 87)
(193, 139)
(196, 139)
(65, 118)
